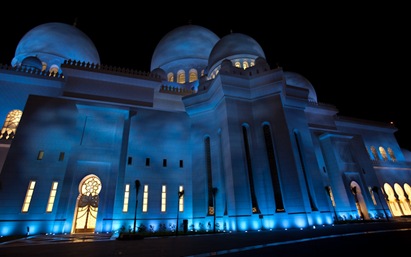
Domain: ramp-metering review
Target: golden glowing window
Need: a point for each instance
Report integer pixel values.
(126, 198)
(92, 186)
(330, 194)
(383, 153)
(252, 63)
(181, 199)
(170, 77)
(145, 198)
(237, 64)
(40, 155)
(181, 77)
(245, 65)
(29, 194)
(193, 75)
(374, 153)
(54, 69)
(392, 155)
(11, 123)
(52, 197)
(163, 198)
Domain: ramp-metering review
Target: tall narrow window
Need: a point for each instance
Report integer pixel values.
(181, 164)
(126, 198)
(28, 197)
(181, 199)
(52, 197)
(303, 166)
(372, 196)
(254, 208)
(164, 162)
(330, 194)
(145, 198)
(61, 156)
(40, 155)
(147, 162)
(272, 161)
(207, 145)
(163, 198)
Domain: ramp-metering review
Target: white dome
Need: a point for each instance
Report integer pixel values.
(53, 43)
(297, 80)
(232, 46)
(183, 48)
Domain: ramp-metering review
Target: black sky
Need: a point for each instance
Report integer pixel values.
(356, 57)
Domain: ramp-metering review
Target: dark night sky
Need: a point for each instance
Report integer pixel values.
(356, 57)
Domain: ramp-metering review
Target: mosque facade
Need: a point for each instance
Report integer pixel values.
(211, 138)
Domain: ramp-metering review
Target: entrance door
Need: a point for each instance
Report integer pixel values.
(87, 205)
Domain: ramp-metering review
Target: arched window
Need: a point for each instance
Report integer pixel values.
(245, 64)
(383, 153)
(10, 124)
(374, 153)
(392, 155)
(193, 75)
(54, 69)
(170, 77)
(181, 77)
(237, 64)
(44, 66)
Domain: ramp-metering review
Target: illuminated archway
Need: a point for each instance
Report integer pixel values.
(392, 200)
(85, 215)
(402, 199)
(359, 200)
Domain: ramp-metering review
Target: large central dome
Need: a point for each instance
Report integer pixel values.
(185, 46)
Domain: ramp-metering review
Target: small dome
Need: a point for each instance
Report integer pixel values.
(234, 46)
(32, 62)
(160, 72)
(53, 43)
(186, 47)
(297, 80)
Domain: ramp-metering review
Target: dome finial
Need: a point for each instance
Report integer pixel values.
(189, 22)
(75, 22)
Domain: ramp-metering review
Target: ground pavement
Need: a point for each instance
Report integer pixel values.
(374, 238)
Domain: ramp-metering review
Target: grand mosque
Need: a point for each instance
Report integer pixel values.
(211, 137)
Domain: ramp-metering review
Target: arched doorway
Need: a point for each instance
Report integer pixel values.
(359, 200)
(85, 215)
